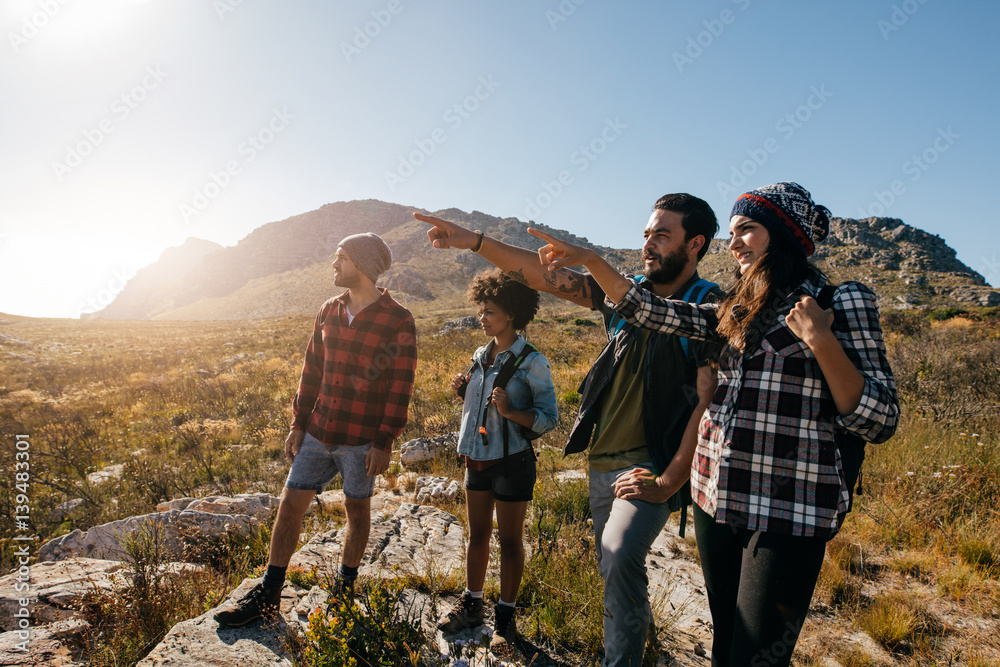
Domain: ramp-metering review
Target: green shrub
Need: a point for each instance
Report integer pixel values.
(941, 314)
(370, 634)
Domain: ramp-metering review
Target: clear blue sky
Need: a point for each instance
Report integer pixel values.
(117, 113)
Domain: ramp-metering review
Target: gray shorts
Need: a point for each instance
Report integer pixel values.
(316, 464)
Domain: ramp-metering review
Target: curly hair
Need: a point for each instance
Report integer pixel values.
(513, 297)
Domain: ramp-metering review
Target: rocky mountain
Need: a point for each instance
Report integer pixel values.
(281, 268)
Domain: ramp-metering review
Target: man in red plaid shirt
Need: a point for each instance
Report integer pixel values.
(357, 379)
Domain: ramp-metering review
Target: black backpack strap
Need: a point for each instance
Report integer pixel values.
(825, 296)
(852, 448)
(511, 365)
(503, 377)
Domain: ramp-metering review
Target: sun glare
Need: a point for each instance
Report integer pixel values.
(69, 27)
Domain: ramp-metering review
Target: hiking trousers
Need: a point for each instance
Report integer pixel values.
(759, 587)
(624, 531)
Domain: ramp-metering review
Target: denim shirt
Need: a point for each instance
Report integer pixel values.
(530, 388)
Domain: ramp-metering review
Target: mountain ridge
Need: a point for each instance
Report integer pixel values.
(280, 268)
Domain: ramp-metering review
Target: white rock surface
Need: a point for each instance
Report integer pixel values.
(55, 588)
(570, 475)
(260, 506)
(202, 642)
(432, 489)
(47, 646)
(107, 474)
(414, 539)
(418, 450)
(176, 529)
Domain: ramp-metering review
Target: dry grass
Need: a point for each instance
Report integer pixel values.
(202, 408)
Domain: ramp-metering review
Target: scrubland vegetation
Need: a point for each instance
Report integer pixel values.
(199, 408)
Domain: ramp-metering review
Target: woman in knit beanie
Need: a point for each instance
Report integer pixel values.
(796, 378)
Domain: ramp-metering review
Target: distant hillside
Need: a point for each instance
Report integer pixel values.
(282, 267)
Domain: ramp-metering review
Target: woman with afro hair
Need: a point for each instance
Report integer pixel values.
(495, 443)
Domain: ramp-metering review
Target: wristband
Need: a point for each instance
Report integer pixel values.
(479, 241)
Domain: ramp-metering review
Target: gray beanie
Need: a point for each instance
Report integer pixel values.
(369, 253)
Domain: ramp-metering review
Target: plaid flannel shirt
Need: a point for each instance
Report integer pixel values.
(766, 458)
(357, 378)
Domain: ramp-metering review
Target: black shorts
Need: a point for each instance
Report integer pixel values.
(511, 480)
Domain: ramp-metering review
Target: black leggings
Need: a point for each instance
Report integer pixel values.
(759, 587)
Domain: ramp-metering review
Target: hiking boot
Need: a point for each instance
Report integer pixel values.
(504, 641)
(260, 601)
(467, 613)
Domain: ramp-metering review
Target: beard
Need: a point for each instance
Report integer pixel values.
(670, 266)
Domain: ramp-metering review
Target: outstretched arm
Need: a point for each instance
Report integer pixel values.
(518, 262)
(557, 254)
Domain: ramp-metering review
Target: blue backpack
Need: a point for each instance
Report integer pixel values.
(698, 290)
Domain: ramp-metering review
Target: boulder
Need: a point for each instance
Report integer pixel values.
(57, 591)
(175, 504)
(459, 324)
(418, 450)
(260, 506)
(176, 530)
(570, 475)
(107, 474)
(63, 510)
(431, 489)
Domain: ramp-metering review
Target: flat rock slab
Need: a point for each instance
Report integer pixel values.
(202, 641)
(414, 539)
(260, 506)
(56, 588)
(47, 646)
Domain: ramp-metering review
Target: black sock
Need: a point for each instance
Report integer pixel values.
(275, 576)
(348, 573)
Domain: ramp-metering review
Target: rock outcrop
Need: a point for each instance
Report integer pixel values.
(418, 450)
(179, 525)
(176, 530)
(433, 489)
(412, 540)
(459, 324)
(415, 539)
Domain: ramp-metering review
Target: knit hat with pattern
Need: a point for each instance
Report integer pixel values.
(787, 209)
(369, 253)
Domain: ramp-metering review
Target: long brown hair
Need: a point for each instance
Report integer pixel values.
(743, 312)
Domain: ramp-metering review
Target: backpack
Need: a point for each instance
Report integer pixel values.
(700, 288)
(851, 446)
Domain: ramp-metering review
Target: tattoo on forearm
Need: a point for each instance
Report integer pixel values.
(566, 283)
(518, 276)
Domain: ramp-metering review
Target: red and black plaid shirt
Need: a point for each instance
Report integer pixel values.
(357, 378)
